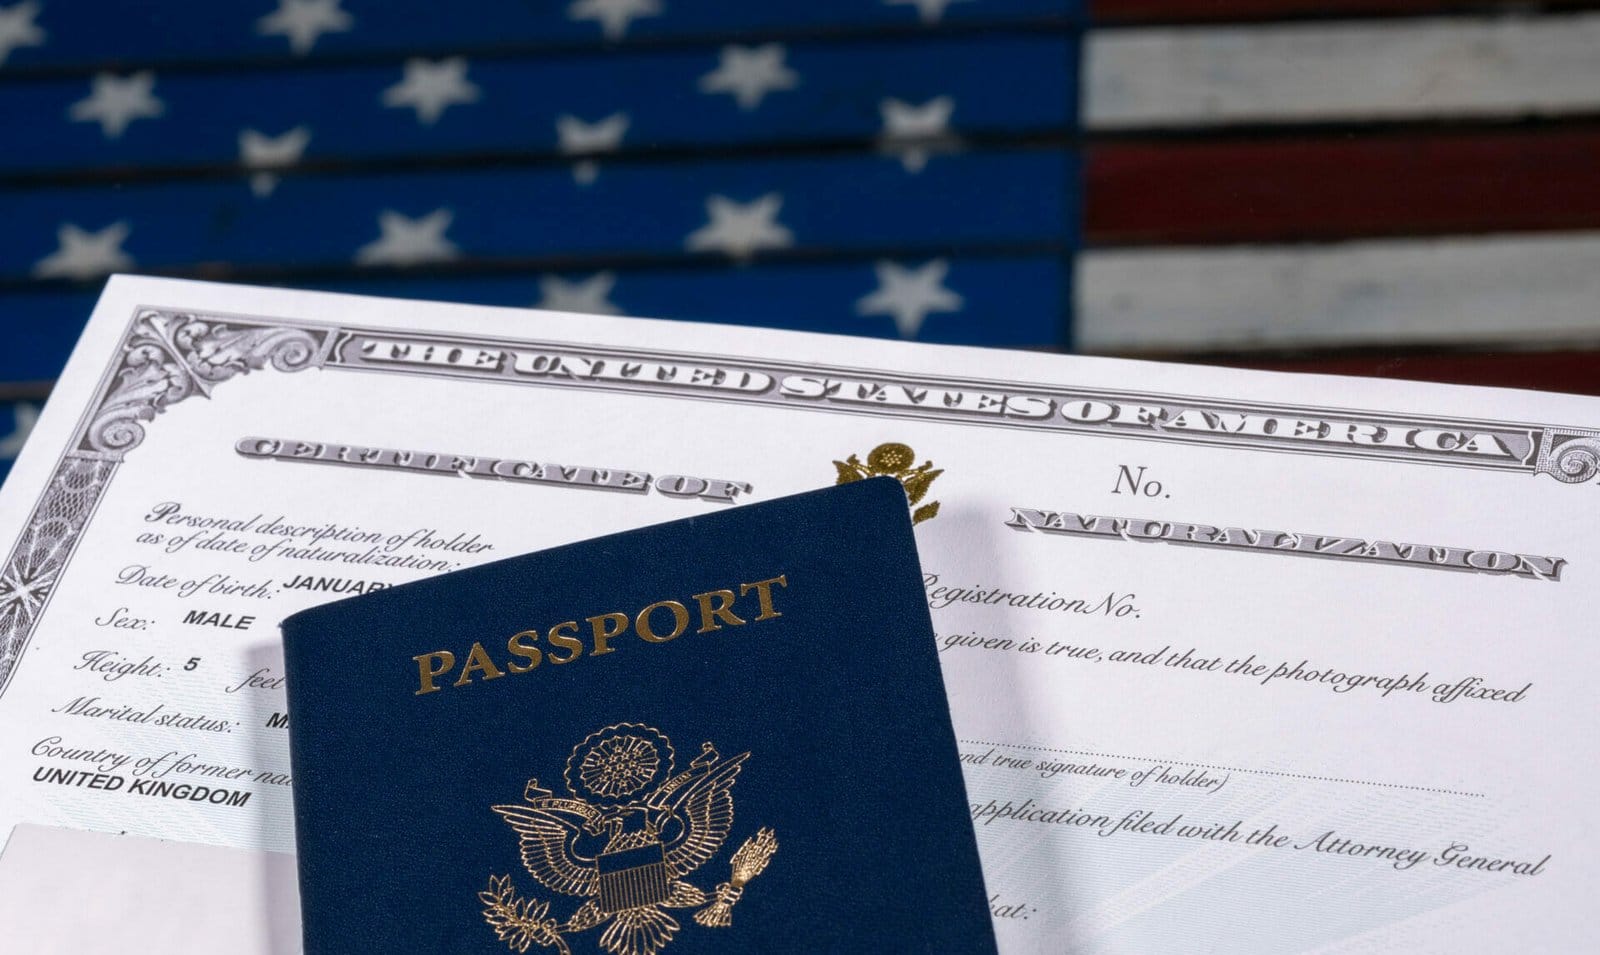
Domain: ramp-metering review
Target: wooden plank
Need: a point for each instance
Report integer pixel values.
(78, 34)
(16, 422)
(1017, 302)
(1516, 290)
(1002, 301)
(850, 91)
(724, 210)
(1323, 72)
(1333, 187)
(1570, 371)
(38, 328)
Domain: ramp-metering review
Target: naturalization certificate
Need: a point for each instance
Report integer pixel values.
(1237, 661)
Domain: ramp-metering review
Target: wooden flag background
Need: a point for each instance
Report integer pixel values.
(1370, 186)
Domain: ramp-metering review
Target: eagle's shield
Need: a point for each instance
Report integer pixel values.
(630, 878)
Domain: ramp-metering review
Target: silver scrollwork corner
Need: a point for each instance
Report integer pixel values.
(1572, 457)
(169, 357)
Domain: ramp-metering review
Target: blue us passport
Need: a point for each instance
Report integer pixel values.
(722, 734)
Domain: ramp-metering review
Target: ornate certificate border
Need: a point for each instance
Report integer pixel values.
(167, 356)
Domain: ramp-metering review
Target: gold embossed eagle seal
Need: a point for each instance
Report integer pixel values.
(894, 460)
(624, 838)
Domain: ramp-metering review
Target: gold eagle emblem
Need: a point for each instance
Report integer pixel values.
(624, 839)
(894, 459)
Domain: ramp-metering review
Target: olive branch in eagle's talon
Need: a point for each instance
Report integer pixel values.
(520, 922)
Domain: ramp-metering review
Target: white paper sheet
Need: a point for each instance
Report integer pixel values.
(1117, 548)
(71, 892)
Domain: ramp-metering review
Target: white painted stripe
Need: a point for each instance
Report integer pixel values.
(1499, 290)
(1343, 71)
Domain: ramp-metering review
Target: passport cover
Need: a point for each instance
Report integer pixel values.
(722, 734)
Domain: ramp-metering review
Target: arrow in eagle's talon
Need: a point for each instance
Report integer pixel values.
(747, 863)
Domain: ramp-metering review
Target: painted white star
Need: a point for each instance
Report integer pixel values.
(115, 101)
(910, 294)
(591, 296)
(304, 22)
(931, 11)
(17, 28)
(580, 138)
(85, 255)
(914, 133)
(26, 417)
(262, 152)
(431, 87)
(614, 16)
(406, 241)
(750, 73)
(741, 229)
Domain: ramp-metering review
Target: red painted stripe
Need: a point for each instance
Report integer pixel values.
(1187, 11)
(1573, 372)
(1331, 187)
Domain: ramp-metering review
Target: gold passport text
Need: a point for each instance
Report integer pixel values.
(569, 640)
